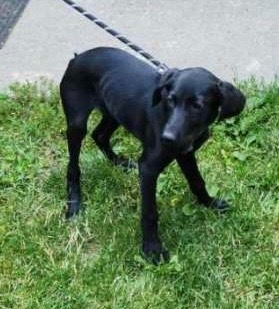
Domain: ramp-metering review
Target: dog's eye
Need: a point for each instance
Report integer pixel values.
(170, 101)
(197, 105)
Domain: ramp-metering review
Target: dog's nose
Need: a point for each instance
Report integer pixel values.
(168, 139)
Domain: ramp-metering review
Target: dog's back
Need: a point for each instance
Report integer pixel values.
(98, 64)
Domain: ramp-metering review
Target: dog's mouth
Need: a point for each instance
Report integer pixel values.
(175, 145)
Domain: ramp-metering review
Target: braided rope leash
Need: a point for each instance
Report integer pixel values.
(161, 67)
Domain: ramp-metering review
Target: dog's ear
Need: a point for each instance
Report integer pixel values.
(232, 100)
(164, 85)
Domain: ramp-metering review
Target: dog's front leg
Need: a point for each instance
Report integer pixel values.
(189, 167)
(149, 170)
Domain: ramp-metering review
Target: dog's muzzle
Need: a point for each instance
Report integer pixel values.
(169, 140)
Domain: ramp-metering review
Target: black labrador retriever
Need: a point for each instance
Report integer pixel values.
(169, 113)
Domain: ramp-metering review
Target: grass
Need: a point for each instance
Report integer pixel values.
(229, 261)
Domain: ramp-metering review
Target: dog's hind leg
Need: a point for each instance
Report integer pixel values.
(77, 106)
(102, 134)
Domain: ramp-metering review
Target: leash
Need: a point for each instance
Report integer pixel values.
(161, 67)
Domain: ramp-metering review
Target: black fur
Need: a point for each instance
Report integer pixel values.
(169, 113)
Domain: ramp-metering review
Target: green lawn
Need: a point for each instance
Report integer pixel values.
(93, 261)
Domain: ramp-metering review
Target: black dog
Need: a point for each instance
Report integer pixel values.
(168, 113)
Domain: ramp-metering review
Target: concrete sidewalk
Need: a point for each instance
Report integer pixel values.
(233, 38)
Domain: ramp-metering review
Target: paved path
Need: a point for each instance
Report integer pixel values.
(233, 38)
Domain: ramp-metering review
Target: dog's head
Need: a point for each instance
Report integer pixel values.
(192, 99)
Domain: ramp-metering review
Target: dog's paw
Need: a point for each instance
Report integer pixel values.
(219, 205)
(72, 209)
(155, 253)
